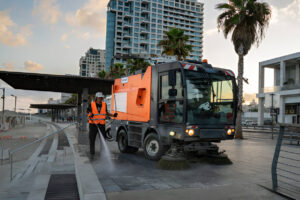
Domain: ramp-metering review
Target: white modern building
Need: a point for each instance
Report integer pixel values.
(285, 90)
(134, 28)
(92, 63)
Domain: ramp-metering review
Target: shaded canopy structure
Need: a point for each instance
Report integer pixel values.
(55, 108)
(52, 106)
(56, 83)
(60, 83)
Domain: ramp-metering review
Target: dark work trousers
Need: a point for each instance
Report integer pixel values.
(93, 134)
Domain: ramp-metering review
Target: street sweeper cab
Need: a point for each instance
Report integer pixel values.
(189, 103)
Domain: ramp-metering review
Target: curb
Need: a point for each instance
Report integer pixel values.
(88, 184)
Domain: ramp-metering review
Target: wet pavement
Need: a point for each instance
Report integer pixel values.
(132, 172)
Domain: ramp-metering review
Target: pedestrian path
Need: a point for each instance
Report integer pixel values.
(32, 177)
(63, 166)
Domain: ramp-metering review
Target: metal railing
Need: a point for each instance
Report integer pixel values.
(286, 161)
(11, 153)
(265, 131)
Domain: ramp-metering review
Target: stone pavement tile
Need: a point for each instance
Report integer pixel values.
(112, 188)
(231, 192)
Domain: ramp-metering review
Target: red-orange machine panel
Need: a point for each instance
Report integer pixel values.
(132, 97)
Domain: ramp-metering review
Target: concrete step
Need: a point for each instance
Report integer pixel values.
(88, 183)
(39, 188)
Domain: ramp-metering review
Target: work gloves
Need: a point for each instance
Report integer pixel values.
(116, 115)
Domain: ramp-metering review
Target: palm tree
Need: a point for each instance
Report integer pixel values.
(248, 21)
(137, 64)
(102, 74)
(117, 70)
(175, 44)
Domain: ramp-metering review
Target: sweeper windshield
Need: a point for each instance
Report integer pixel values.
(210, 98)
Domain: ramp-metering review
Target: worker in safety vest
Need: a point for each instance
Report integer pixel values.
(169, 112)
(97, 112)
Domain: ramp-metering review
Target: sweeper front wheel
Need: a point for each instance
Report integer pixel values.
(153, 149)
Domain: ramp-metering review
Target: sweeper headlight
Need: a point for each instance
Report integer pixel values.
(230, 131)
(190, 132)
(172, 133)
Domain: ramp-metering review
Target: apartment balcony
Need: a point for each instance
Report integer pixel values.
(127, 14)
(145, 10)
(144, 51)
(127, 46)
(144, 30)
(144, 41)
(145, 20)
(127, 25)
(126, 35)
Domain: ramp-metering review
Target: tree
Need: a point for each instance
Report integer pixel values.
(72, 100)
(137, 64)
(117, 70)
(175, 44)
(247, 20)
(102, 74)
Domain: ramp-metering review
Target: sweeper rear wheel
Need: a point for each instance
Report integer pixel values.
(123, 143)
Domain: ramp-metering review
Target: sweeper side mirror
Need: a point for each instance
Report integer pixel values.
(172, 92)
(172, 77)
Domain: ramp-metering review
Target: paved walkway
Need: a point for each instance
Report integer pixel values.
(133, 174)
(133, 177)
(33, 170)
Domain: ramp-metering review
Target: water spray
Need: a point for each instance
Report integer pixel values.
(105, 154)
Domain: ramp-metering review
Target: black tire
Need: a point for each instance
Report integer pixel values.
(133, 149)
(153, 149)
(123, 142)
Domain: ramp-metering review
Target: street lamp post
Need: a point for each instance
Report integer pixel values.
(3, 97)
(15, 102)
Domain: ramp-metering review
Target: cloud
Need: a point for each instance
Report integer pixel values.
(64, 37)
(291, 12)
(7, 66)
(48, 10)
(211, 32)
(10, 33)
(92, 15)
(32, 66)
(82, 35)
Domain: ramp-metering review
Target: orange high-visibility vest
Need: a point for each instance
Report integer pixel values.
(99, 118)
(169, 114)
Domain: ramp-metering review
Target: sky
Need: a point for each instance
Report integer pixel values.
(50, 36)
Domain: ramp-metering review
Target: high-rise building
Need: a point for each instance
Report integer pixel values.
(134, 28)
(92, 63)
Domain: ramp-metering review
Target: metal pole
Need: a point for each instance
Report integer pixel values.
(11, 165)
(3, 97)
(15, 103)
(84, 108)
(275, 158)
(272, 113)
(1, 151)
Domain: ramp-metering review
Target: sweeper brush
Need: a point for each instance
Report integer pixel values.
(174, 159)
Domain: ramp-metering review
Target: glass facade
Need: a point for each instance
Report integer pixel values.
(134, 28)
